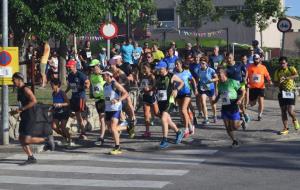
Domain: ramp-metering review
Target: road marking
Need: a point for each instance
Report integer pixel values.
(83, 157)
(94, 170)
(82, 182)
(190, 151)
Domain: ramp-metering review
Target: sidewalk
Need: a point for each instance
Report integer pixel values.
(213, 135)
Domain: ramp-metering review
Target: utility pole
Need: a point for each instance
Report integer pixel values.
(4, 129)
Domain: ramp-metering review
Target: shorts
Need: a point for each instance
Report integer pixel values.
(100, 106)
(163, 106)
(112, 114)
(286, 101)
(61, 116)
(77, 104)
(43, 68)
(228, 115)
(148, 99)
(27, 122)
(181, 96)
(254, 93)
(209, 93)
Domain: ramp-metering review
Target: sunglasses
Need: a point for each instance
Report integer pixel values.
(149, 57)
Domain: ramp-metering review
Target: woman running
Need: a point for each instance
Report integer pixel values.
(184, 96)
(149, 99)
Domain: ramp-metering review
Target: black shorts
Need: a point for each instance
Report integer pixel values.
(112, 114)
(60, 116)
(148, 99)
(163, 106)
(27, 122)
(254, 93)
(286, 101)
(100, 106)
(77, 104)
(181, 96)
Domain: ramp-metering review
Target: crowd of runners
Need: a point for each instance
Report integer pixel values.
(161, 83)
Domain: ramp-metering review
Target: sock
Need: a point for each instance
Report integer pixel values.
(30, 157)
(117, 146)
(164, 138)
(260, 114)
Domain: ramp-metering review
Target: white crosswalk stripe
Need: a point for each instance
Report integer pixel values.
(58, 169)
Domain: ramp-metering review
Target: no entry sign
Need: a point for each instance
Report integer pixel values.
(5, 58)
(9, 64)
(108, 31)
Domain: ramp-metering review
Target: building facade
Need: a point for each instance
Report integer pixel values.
(238, 33)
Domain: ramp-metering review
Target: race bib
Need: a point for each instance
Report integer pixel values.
(162, 95)
(73, 87)
(107, 99)
(288, 95)
(204, 87)
(136, 55)
(256, 78)
(98, 88)
(216, 64)
(225, 98)
(88, 54)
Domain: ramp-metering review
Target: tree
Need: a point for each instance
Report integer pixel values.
(195, 13)
(258, 12)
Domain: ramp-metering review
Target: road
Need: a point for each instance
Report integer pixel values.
(204, 161)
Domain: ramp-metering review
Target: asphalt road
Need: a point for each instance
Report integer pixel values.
(204, 161)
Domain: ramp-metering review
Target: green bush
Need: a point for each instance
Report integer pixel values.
(273, 64)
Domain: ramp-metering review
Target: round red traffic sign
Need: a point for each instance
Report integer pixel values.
(5, 58)
(284, 25)
(108, 31)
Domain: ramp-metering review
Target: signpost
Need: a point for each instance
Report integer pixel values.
(9, 64)
(284, 25)
(108, 32)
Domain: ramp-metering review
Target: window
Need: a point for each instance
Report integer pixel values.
(165, 15)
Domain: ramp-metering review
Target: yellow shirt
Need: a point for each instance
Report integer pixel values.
(46, 53)
(289, 84)
(158, 55)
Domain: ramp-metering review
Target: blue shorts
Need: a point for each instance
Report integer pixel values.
(209, 93)
(112, 114)
(228, 115)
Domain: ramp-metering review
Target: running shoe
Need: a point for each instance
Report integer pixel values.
(195, 122)
(296, 125)
(124, 123)
(30, 160)
(152, 122)
(235, 144)
(82, 136)
(259, 118)
(247, 118)
(283, 132)
(192, 129)
(186, 133)
(71, 144)
(206, 122)
(215, 119)
(179, 137)
(147, 134)
(243, 124)
(50, 144)
(100, 141)
(164, 144)
(115, 151)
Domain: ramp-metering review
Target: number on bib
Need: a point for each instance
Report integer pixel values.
(162, 95)
(225, 98)
(288, 95)
(256, 78)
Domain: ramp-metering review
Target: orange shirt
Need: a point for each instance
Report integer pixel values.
(257, 75)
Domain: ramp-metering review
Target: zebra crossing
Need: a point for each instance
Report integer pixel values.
(145, 171)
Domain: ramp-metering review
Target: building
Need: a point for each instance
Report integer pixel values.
(238, 33)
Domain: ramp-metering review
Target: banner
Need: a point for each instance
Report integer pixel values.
(201, 34)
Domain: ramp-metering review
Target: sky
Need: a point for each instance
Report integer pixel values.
(295, 7)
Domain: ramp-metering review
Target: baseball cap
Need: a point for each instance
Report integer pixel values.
(161, 65)
(71, 63)
(256, 56)
(94, 62)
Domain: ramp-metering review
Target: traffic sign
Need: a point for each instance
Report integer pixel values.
(9, 64)
(109, 31)
(284, 25)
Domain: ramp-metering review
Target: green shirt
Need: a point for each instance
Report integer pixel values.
(97, 86)
(229, 87)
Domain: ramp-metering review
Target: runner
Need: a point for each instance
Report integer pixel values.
(149, 99)
(165, 91)
(85, 56)
(184, 96)
(77, 82)
(60, 110)
(97, 83)
(170, 59)
(284, 78)
(215, 59)
(256, 81)
(156, 53)
(206, 78)
(114, 94)
(28, 119)
(231, 95)
(237, 71)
